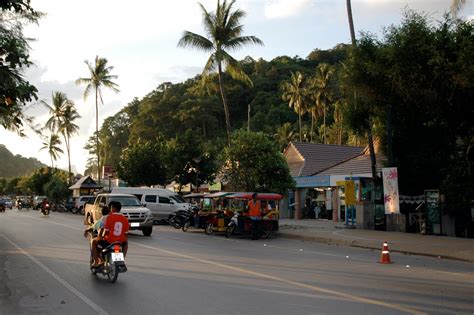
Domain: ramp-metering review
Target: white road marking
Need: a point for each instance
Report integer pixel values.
(76, 292)
(274, 278)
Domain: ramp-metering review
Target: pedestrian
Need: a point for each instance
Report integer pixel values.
(254, 208)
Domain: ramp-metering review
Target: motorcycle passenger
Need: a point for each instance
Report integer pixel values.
(98, 226)
(116, 229)
(253, 207)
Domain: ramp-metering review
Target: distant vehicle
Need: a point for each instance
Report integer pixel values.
(37, 201)
(82, 201)
(161, 202)
(8, 203)
(70, 204)
(139, 217)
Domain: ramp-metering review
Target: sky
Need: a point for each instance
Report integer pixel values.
(139, 39)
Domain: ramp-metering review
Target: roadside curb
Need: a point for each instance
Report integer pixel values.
(359, 244)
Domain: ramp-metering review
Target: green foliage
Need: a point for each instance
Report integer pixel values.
(142, 165)
(187, 157)
(16, 165)
(253, 163)
(15, 91)
(56, 189)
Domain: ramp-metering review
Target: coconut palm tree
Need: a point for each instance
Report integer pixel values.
(284, 135)
(351, 22)
(63, 114)
(295, 93)
(100, 78)
(68, 128)
(224, 34)
(320, 92)
(53, 146)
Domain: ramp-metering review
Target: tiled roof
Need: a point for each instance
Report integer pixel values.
(358, 165)
(317, 157)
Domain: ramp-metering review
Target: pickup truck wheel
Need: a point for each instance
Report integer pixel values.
(147, 231)
(89, 220)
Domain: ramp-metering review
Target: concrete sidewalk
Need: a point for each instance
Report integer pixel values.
(334, 233)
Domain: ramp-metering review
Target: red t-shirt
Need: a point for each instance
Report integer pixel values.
(117, 225)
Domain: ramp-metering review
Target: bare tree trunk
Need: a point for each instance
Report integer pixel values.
(372, 152)
(248, 118)
(312, 127)
(351, 22)
(68, 149)
(97, 134)
(324, 123)
(299, 121)
(224, 101)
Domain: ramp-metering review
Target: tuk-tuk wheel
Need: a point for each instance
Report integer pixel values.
(209, 229)
(265, 231)
(229, 231)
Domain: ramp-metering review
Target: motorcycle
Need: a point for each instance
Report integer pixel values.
(114, 262)
(180, 218)
(45, 208)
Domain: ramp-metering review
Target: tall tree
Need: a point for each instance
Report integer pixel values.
(456, 6)
(321, 93)
(100, 77)
(15, 91)
(52, 145)
(224, 33)
(68, 128)
(295, 93)
(63, 114)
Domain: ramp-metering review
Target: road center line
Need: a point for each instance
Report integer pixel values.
(76, 292)
(290, 282)
(266, 276)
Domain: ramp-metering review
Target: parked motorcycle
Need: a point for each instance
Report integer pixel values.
(179, 218)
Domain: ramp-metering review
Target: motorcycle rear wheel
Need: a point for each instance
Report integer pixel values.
(112, 273)
(186, 226)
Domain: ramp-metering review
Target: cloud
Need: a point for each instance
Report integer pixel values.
(177, 74)
(285, 8)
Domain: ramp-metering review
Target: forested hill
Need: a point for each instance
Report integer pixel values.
(16, 165)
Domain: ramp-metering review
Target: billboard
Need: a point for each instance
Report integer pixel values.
(390, 189)
(108, 172)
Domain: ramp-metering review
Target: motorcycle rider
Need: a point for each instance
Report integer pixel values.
(44, 204)
(98, 227)
(115, 230)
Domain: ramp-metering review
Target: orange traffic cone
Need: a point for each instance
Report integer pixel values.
(385, 258)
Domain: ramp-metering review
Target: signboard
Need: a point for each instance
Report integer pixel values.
(108, 172)
(349, 191)
(312, 181)
(390, 188)
(215, 187)
(432, 206)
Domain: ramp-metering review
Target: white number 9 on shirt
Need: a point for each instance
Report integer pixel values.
(117, 229)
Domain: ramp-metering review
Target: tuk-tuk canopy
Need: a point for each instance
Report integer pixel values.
(219, 194)
(260, 196)
(194, 195)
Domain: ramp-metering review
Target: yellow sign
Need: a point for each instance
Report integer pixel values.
(350, 193)
(341, 183)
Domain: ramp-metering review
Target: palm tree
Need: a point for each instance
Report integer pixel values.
(284, 135)
(68, 128)
(351, 22)
(295, 93)
(321, 93)
(63, 114)
(224, 33)
(100, 77)
(53, 146)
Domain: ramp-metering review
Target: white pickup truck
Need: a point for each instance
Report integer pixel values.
(139, 217)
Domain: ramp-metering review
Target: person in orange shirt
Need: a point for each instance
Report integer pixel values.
(254, 208)
(115, 230)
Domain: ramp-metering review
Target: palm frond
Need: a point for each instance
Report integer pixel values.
(196, 41)
(242, 41)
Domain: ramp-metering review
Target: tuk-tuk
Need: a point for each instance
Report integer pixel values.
(241, 223)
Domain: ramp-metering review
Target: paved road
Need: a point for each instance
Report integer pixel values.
(44, 270)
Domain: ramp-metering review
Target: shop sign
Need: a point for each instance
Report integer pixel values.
(215, 187)
(432, 206)
(390, 188)
(312, 181)
(349, 191)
